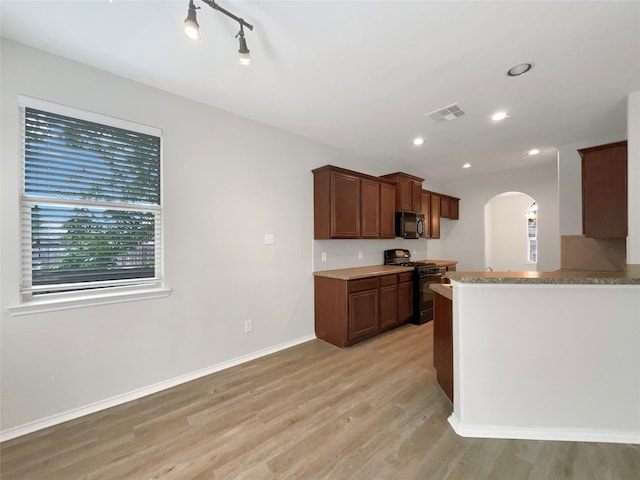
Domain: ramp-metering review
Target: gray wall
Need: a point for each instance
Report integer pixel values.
(227, 182)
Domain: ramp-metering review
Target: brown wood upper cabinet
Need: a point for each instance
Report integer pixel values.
(434, 216)
(449, 207)
(604, 190)
(349, 204)
(387, 210)
(455, 209)
(426, 211)
(408, 191)
(369, 208)
(436, 206)
(431, 212)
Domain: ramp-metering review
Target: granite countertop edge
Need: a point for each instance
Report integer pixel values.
(630, 276)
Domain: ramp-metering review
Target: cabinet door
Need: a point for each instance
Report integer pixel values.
(405, 301)
(445, 207)
(404, 194)
(345, 206)
(387, 210)
(604, 191)
(389, 305)
(435, 216)
(363, 314)
(455, 214)
(426, 211)
(370, 209)
(416, 196)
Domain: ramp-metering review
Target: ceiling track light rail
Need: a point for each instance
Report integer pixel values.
(192, 29)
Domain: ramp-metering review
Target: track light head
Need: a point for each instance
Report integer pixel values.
(191, 27)
(245, 57)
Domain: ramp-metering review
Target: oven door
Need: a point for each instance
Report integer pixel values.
(423, 296)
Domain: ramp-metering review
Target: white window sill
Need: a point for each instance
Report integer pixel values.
(52, 305)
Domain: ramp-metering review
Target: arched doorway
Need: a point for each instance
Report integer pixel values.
(511, 232)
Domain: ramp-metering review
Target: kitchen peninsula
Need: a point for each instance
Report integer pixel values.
(546, 355)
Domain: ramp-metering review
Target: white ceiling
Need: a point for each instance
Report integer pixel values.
(360, 75)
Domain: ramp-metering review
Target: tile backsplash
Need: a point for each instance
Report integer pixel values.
(602, 254)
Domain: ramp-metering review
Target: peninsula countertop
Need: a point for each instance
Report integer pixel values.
(443, 289)
(629, 276)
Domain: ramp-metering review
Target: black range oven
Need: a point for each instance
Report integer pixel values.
(424, 274)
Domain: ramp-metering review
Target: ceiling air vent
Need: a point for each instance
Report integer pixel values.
(444, 114)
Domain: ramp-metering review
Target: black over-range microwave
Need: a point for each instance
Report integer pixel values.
(409, 225)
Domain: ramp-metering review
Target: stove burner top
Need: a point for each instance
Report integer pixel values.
(404, 264)
(426, 264)
(402, 258)
(411, 264)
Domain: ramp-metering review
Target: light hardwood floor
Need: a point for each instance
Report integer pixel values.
(314, 411)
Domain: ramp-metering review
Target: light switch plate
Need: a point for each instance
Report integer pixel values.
(269, 239)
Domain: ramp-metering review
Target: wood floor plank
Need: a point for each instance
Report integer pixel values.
(311, 412)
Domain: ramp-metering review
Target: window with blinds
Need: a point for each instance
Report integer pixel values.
(91, 211)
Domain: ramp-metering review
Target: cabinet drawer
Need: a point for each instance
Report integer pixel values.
(363, 284)
(405, 277)
(388, 280)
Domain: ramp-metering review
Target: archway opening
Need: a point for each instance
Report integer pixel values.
(511, 232)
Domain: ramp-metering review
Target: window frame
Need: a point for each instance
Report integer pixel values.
(532, 240)
(101, 293)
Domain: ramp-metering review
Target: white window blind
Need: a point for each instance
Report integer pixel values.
(91, 210)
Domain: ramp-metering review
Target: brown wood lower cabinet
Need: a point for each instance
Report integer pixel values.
(388, 301)
(405, 296)
(443, 343)
(350, 311)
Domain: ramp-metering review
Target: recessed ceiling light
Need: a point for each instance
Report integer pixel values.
(519, 69)
(418, 141)
(466, 165)
(496, 117)
(533, 151)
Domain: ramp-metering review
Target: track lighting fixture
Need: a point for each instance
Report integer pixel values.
(192, 29)
(245, 57)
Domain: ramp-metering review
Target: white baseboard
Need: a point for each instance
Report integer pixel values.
(56, 419)
(552, 434)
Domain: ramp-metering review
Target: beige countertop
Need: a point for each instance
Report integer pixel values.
(631, 276)
(443, 289)
(374, 270)
(362, 272)
(440, 263)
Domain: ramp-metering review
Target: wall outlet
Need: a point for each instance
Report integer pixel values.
(269, 239)
(248, 326)
(323, 256)
(359, 255)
